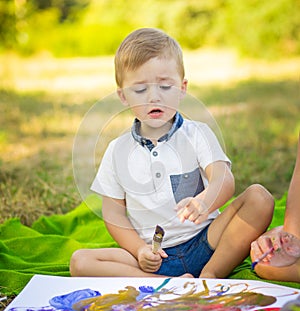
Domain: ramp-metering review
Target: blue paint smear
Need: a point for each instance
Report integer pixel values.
(146, 290)
(65, 302)
(46, 308)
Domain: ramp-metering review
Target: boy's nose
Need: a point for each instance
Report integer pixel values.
(153, 93)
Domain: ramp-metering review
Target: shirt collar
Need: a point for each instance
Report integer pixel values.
(135, 131)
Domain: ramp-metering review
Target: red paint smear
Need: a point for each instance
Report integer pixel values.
(268, 309)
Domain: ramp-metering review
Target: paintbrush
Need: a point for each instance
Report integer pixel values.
(263, 256)
(157, 239)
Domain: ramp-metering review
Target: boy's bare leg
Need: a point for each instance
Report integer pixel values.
(101, 262)
(232, 232)
(105, 262)
(108, 262)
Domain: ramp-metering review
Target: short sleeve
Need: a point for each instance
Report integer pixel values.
(106, 182)
(208, 147)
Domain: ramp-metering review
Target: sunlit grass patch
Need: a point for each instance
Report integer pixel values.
(37, 185)
(261, 139)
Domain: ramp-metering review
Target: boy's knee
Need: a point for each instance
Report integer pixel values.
(77, 262)
(260, 197)
(259, 192)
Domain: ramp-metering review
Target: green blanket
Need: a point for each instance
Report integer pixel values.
(46, 246)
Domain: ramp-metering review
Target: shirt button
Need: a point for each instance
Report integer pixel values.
(186, 176)
(155, 153)
(158, 175)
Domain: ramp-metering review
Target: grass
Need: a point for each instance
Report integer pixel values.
(258, 119)
(259, 122)
(36, 162)
(5, 301)
(258, 115)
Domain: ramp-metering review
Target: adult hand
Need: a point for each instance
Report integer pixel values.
(148, 261)
(286, 248)
(192, 209)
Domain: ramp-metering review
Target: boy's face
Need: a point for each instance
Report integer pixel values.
(153, 93)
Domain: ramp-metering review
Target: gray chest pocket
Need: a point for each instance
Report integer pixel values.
(186, 185)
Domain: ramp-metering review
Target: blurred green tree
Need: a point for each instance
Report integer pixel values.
(19, 17)
(68, 9)
(255, 28)
(260, 28)
(7, 24)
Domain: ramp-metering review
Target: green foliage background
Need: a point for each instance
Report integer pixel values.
(256, 28)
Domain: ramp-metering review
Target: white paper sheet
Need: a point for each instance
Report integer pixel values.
(42, 288)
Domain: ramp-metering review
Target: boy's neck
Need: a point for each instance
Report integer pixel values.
(154, 134)
(142, 134)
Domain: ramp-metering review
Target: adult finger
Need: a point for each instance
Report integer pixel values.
(256, 251)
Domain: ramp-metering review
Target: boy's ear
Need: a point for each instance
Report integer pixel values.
(121, 94)
(183, 88)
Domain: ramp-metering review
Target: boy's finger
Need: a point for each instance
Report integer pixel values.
(182, 204)
(184, 214)
(162, 253)
(193, 215)
(201, 218)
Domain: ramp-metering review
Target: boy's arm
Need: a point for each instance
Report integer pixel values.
(220, 187)
(119, 226)
(219, 190)
(292, 212)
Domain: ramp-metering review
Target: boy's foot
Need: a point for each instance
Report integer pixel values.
(187, 275)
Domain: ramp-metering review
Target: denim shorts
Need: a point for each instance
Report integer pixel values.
(188, 257)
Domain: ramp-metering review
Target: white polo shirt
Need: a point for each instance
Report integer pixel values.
(153, 180)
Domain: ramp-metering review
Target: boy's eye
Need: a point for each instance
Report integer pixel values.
(139, 91)
(165, 87)
(139, 88)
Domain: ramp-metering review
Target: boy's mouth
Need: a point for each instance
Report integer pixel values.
(155, 110)
(155, 113)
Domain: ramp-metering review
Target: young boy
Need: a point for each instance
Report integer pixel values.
(283, 264)
(171, 172)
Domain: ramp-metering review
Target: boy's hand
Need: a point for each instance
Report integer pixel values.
(148, 261)
(192, 209)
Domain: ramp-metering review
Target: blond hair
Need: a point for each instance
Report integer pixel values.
(140, 46)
